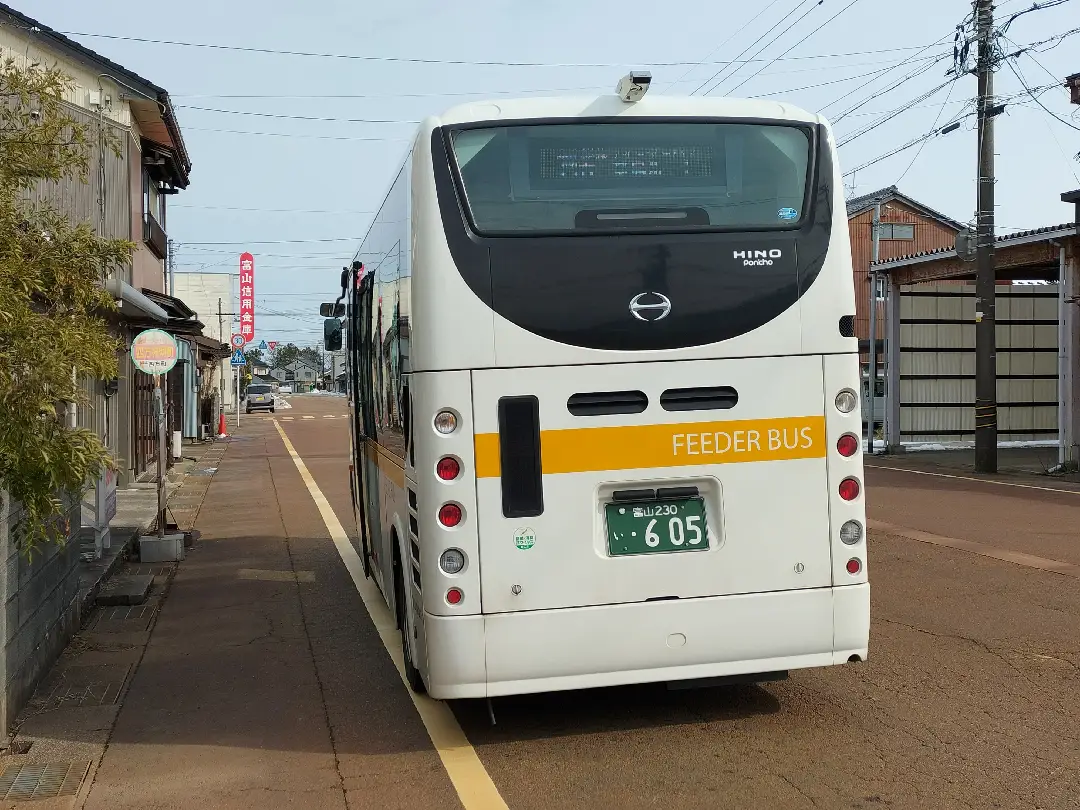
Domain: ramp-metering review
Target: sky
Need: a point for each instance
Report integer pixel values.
(292, 154)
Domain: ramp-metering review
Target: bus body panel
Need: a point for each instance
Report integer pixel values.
(760, 467)
(612, 645)
(772, 591)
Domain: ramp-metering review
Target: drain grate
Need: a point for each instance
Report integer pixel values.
(29, 782)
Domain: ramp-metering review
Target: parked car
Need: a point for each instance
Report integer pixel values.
(260, 397)
(285, 389)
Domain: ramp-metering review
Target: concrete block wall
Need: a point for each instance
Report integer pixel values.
(41, 611)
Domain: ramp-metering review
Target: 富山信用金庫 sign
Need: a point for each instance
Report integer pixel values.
(154, 351)
(247, 296)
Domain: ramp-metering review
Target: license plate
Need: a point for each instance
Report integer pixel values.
(657, 527)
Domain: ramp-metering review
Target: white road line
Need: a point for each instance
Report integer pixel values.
(329, 416)
(308, 417)
(970, 478)
(466, 771)
(982, 549)
(287, 418)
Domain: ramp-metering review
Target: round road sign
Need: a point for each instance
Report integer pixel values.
(238, 341)
(154, 351)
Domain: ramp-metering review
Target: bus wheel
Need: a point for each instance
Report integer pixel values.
(412, 674)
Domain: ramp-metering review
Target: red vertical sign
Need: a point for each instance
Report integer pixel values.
(247, 296)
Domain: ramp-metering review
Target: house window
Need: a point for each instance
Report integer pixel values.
(896, 230)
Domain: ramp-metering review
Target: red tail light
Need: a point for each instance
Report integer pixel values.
(849, 489)
(450, 515)
(448, 469)
(454, 596)
(854, 566)
(847, 445)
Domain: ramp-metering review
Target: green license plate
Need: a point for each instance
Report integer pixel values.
(649, 527)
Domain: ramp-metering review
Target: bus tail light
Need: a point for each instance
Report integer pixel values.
(847, 445)
(849, 489)
(454, 596)
(448, 468)
(846, 401)
(851, 532)
(450, 515)
(854, 566)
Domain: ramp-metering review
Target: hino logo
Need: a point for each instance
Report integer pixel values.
(650, 306)
(753, 258)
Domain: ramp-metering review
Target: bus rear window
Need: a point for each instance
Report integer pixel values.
(589, 178)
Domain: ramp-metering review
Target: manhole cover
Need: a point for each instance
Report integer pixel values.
(29, 782)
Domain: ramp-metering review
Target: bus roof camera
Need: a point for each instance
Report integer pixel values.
(634, 85)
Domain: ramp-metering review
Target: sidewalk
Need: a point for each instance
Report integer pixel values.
(64, 727)
(1028, 462)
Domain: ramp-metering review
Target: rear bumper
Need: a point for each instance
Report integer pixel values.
(581, 648)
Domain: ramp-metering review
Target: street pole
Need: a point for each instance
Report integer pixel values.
(159, 397)
(237, 370)
(871, 380)
(221, 337)
(985, 315)
(172, 267)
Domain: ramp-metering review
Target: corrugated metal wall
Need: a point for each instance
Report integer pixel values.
(79, 201)
(930, 234)
(937, 362)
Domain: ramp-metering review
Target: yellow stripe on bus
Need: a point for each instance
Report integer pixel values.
(676, 445)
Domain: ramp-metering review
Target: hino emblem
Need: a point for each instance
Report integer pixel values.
(650, 306)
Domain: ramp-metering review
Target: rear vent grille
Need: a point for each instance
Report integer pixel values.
(599, 404)
(519, 456)
(699, 399)
(847, 326)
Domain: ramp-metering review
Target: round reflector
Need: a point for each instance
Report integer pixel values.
(847, 445)
(849, 489)
(846, 401)
(454, 596)
(452, 561)
(445, 422)
(851, 533)
(448, 468)
(854, 566)
(450, 514)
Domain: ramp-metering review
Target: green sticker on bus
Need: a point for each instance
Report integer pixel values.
(524, 539)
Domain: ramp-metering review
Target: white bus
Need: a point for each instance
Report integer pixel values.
(606, 397)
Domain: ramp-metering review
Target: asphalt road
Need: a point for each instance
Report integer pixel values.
(969, 698)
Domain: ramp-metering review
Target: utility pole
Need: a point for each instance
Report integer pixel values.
(172, 267)
(221, 337)
(985, 292)
(871, 377)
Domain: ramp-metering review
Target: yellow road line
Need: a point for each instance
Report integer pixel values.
(463, 766)
(982, 549)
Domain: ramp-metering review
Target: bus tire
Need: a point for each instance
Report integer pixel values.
(412, 674)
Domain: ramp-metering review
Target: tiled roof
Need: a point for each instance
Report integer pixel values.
(1003, 239)
(857, 205)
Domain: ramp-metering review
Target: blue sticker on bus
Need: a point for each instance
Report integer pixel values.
(787, 213)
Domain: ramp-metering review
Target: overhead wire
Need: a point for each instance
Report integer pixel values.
(793, 47)
(742, 53)
(423, 60)
(718, 48)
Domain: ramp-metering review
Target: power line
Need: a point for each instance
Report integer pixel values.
(796, 45)
(937, 118)
(275, 241)
(293, 135)
(297, 117)
(717, 49)
(907, 60)
(745, 50)
(891, 115)
(264, 210)
(386, 96)
(1009, 63)
(426, 61)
